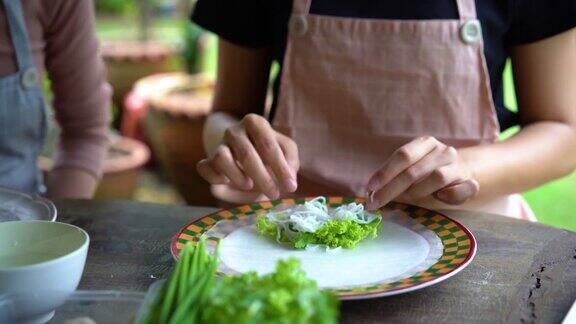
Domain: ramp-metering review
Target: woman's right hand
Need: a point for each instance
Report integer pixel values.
(253, 156)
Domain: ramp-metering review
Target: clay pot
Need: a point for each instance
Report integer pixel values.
(126, 157)
(121, 169)
(135, 110)
(177, 108)
(129, 61)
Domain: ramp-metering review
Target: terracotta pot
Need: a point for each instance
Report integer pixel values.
(128, 61)
(135, 110)
(121, 170)
(126, 158)
(178, 105)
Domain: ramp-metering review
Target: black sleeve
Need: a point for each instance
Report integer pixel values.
(243, 22)
(534, 20)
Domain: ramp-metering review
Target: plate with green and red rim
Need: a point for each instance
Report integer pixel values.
(415, 248)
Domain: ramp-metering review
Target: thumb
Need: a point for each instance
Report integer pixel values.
(458, 193)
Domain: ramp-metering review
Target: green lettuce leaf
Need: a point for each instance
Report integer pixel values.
(335, 233)
(285, 296)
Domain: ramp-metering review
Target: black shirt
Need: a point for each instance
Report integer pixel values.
(505, 23)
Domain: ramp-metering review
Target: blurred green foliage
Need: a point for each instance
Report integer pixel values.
(195, 47)
(116, 7)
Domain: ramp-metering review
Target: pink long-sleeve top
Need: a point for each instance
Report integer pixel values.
(64, 44)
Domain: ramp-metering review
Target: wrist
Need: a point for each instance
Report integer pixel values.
(467, 164)
(471, 160)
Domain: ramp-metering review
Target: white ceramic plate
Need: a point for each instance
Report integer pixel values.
(415, 248)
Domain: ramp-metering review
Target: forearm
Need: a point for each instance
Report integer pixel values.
(70, 182)
(541, 152)
(241, 88)
(545, 148)
(82, 97)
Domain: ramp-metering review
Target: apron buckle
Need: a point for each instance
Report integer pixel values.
(471, 32)
(29, 78)
(298, 25)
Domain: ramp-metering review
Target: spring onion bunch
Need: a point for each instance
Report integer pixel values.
(194, 294)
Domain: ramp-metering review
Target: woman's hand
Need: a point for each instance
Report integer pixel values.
(253, 155)
(422, 168)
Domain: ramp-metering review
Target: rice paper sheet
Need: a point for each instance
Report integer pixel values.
(403, 248)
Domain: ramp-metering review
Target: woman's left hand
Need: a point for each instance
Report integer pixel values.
(422, 168)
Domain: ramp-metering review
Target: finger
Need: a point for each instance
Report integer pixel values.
(437, 180)
(404, 181)
(420, 171)
(263, 180)
(290, 150)
(224, 163)
(253, 166)
(209, 174)
(265, 141)
(458, 193)
(401, 159)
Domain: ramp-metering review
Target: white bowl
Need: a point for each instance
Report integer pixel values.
(41, 263)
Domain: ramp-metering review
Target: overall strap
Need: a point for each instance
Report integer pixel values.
(18, 33)
(466, 9)
(301, 7)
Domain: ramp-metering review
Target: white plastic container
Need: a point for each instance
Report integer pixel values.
(102, 307)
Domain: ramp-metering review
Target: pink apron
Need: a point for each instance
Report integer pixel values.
(354, 90)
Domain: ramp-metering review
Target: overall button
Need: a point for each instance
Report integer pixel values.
(298, 25)
(471, 32)
(29, 78)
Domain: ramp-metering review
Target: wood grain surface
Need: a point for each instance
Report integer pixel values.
(522, 273)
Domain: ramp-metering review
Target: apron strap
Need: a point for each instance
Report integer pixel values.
(301, 7)
(466, 9)
(18, 33)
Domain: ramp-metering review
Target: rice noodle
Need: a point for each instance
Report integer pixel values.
(313, 214)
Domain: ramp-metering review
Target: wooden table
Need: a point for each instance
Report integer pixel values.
(522, 273)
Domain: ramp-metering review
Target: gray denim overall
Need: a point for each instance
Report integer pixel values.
(22, 112)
